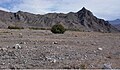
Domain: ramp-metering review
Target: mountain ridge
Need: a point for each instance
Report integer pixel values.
(83, 20)
(115, 23)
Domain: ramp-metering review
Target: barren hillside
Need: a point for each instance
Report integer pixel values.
(83, 20)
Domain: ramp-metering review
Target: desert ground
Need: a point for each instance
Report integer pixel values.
(41, 49)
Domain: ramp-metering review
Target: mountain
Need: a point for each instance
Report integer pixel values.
(117, 26)
(82, 20)
(115, 23)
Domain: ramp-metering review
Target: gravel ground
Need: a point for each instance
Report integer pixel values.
(40, 49)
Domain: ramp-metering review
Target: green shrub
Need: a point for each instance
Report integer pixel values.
(15, 27)
(58, 29)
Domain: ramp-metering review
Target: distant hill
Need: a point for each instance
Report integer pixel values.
(115, 23)
(82, 20)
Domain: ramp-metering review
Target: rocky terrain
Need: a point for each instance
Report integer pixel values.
(82, 20)
(41, 49)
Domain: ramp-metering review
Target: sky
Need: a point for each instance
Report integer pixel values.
(105, 9)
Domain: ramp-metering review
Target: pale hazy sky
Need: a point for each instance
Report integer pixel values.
(106, 9)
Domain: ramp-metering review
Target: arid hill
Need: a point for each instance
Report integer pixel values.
(82, 20)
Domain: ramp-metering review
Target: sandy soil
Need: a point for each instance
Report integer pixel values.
(40, 49)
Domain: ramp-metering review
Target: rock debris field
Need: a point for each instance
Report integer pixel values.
(41, 49)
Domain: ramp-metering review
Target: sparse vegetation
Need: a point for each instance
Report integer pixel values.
(15, 27)
(58, 29)
(35, 28)
(82, 66)
(5, 32)
(75, 30)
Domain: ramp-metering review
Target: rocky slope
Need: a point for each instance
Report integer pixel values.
(82, 20)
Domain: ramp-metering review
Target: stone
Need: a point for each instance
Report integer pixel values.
(100, 49)
(8, 46)
(3, 63)
(93, 43)
(54, 61)
(24, 42)
(21, 42)
(17, 46)
(3, 49)
(94, 51)
(107, 66)
(51, 59)
(76, 36)
(55, 42)
(20, 35)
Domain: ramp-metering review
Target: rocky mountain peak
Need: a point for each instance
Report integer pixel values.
(83, 9)
(84, 13)
(20, 11)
